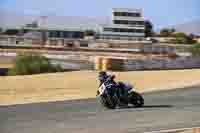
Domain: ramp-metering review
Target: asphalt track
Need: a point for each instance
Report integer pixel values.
(163, 110)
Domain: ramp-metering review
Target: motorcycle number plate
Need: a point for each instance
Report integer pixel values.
(102, 89)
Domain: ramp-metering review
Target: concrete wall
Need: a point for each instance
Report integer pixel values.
(164, 39)
(142, 47)
(161, 64)
(198, 40)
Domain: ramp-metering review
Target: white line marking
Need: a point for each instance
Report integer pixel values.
(172, 130)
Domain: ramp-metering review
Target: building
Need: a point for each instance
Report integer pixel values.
(127, 24)
(41, 36)
(197, 38)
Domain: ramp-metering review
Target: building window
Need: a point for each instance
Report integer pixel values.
(126, 22)
(108, 29)
(127, 14)
(117, 14)
(120, 22)
(54, 34)
(139, 30)
(140, 23)
(116, 30)
(11, 32)
(77, 35)
(124, 30)
(66, 34)
(134, 14)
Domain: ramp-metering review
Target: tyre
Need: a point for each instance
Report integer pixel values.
(108, 102)
(136, 99)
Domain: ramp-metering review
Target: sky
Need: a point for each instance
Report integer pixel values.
(162, 13)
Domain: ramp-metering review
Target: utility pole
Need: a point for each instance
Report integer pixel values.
(43, 29)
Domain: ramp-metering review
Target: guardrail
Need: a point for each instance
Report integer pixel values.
(146, 49)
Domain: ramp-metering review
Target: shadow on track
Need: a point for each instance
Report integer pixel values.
(147, 106)
(157, 106)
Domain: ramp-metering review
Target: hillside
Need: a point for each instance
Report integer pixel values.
(189, 27)
(11, 19)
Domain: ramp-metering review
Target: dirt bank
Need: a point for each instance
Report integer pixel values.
(83, 84)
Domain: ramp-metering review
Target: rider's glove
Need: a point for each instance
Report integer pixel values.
(97, 93)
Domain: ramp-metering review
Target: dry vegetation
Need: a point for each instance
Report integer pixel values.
(83, 84)
(9, 65)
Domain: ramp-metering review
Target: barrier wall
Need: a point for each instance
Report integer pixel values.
(109, 63)
(148, 64)
(116, 61)
(152, 64)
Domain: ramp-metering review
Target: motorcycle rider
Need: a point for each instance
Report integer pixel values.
(121, 94)
(122, 90)
(103, 76)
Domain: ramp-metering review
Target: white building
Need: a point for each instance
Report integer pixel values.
(127, 24)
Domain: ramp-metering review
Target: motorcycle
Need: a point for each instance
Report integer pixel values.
(117, 94)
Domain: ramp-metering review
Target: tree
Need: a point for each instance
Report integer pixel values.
(195, 50)
(1, 30)
(89, 33)
(173, 30)
(184, 38)
(191, 36)
(34, 24)
(148, 28)
(167, 32)
(180, 35)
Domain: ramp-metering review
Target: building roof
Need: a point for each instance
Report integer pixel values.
(33, 35)
(127, 10)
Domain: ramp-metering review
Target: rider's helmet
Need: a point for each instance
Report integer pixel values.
(102, 76)
(102, 73)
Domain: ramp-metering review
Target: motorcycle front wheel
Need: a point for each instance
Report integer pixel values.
(136, 99)
(108, 102)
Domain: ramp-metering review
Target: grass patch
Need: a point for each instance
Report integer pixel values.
(33, 64)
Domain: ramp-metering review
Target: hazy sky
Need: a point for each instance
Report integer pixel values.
(160, 12)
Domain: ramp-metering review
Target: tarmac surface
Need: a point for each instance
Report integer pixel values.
(163, 110)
